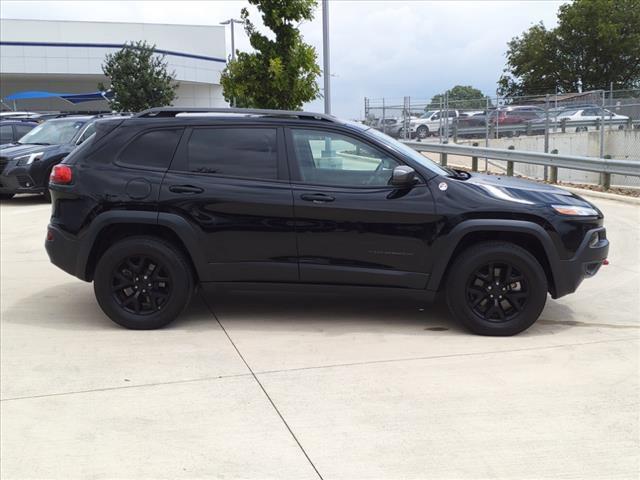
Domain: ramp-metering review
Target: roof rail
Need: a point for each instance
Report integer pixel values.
(174, 111)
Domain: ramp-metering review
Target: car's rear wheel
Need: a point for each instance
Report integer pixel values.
(496, 288)
(143, 283)
(422, 131)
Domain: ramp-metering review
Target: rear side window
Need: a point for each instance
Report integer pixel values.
(6, 134)
(23, 129)
(152, 149)
(234, 152)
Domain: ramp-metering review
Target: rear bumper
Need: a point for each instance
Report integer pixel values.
(63, 249)
(587, 261)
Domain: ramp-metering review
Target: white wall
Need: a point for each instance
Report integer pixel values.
(194, 39)
(77, 68)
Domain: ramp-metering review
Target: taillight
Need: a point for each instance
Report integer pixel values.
(61, 175)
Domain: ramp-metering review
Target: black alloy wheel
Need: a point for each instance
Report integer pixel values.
(143, 282)
(496, 288)
(141, 285)
(497, 292)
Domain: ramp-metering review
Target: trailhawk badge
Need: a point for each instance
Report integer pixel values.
(443, 186)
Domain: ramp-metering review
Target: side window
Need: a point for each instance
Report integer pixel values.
(6, 134)
(327, 158)
(90, 130)
(152, 149)
(234, 152)
(22, 130)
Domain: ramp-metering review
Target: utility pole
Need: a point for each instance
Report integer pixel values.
(231, 22)
(326, 56)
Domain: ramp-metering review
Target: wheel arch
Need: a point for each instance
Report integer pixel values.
(111, 227)
(528, 235)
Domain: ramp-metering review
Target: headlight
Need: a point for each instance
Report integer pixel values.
(575, 210)
(29, 159)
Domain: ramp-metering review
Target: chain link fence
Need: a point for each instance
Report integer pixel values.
(600, 123)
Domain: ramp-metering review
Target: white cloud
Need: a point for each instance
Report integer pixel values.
(378, 48)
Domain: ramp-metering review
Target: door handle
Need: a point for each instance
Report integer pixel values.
(185, 189)
(317, 197)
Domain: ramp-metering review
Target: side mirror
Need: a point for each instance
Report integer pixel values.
(403, 176)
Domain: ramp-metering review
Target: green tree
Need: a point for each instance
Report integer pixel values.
(138, 78)
(596, 43)
(282, 72)
(460, 97)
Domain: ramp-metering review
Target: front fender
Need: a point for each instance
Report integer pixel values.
(446, 245)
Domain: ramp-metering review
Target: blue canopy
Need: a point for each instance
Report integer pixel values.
(69, 97)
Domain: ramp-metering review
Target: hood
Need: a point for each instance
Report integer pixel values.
(525, 192)
(13, 150)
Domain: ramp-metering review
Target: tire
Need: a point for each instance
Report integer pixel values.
(523, 296)
(126, 266)
(47, 196)
(6, 196)
(422, 131)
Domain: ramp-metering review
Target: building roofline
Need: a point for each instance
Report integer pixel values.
(112, 22)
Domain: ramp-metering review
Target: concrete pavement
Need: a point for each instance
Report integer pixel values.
(251, 385)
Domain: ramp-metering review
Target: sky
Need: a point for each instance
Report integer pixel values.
(380, 48)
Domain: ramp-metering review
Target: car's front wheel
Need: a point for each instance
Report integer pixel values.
(6, 196)
(496, 288)
(422, 131)
(143, 282)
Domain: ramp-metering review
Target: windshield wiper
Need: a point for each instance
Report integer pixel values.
(35, 143)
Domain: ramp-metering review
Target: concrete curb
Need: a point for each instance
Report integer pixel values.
(608, 196)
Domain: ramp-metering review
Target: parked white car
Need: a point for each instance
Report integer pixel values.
(430, 122)
(589, 114)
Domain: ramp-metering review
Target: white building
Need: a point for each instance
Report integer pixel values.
(66, 57)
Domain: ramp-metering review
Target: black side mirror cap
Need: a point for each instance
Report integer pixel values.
(403, 176)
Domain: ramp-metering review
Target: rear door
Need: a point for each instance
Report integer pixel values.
(353, 227)
(231, 184)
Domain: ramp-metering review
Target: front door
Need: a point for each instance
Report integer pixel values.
(353, 227)
(232, 185)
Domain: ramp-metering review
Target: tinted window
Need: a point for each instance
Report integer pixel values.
(234, 152)
(23, 130)
(327, 158)
(151, 149)
(90, 130)
(6, 134)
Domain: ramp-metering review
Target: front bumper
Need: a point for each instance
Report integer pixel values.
(588, 259)
(19, 179)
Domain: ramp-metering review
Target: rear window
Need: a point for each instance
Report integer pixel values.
(152, 149)
(234, 152)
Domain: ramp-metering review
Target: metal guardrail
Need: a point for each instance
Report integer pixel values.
(589, 164)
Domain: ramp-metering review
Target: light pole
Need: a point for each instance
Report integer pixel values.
(231, 22)
(325, 56)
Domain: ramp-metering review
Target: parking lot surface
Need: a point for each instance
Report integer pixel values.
(260, 385)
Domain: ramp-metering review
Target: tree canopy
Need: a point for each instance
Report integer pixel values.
(596, 43)
(282, 72)
(460, 97)
(138, 78)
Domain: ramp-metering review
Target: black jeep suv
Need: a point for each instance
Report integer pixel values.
(153, 205)
(25, 165)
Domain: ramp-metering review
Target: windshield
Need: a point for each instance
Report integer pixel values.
(54, 132)
(407, 151)
(427, 114)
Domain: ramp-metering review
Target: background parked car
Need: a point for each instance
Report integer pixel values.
(430, 123)
(25, 165)
(12, 130)
(515, 115)
(593, 114)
